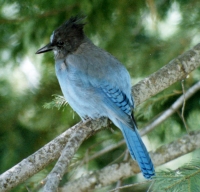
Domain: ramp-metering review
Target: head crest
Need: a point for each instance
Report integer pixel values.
(76, 21)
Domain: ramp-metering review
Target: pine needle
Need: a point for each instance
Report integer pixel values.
(186, 178)
(58, 102)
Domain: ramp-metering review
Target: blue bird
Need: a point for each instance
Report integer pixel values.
(96, 84)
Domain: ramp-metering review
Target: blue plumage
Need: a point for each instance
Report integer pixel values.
(138, 151)
(96, 84)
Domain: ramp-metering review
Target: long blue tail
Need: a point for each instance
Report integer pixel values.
(138, 150)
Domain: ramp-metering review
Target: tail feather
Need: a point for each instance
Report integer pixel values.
(138, 150)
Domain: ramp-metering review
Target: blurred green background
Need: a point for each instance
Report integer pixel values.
(143, 35)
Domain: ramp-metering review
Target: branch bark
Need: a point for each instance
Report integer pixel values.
(115, 172)
(176, 70)
(76, 138)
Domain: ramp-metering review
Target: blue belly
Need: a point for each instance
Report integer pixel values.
(81, 96)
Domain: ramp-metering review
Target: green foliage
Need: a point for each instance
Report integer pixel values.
(58, 101)
(185, 178)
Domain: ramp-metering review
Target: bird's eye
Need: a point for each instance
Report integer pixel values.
(60, 43)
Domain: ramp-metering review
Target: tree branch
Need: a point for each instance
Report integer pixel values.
(115, 172)
(176, 70)
(175, 106)
(76, 138)
(47, 154)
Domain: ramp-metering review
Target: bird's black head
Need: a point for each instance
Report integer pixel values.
(66, 39)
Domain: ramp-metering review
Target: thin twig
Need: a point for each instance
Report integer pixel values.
(183, 107)
(103, 151)
(128, 186)
(46, 14)
(152, 183)
(177, 104)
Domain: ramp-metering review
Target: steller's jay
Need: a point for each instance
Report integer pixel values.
(96, 84)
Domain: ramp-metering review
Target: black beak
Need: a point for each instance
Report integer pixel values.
(44, 49)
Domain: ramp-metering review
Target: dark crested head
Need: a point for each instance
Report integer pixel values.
(66, 38)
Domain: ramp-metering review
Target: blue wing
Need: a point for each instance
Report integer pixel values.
(119, 106)
(119, 98)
